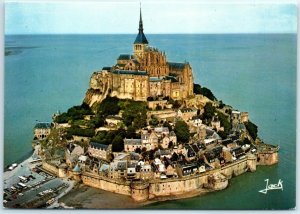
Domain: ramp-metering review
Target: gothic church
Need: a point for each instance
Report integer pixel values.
(145, 73)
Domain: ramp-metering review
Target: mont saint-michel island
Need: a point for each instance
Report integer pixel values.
(144, 130)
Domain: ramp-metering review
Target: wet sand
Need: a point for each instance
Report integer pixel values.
(84, 197)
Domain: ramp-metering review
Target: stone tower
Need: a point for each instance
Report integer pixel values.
(141, 43)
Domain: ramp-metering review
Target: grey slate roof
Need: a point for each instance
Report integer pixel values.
(42, 125)
(141, 73)
(173, 79)
(125, 57)
(106, 68)
(76, 168)
(155, 79)
(98, 145)
(132, 141)
(141, 38)
(176, 65)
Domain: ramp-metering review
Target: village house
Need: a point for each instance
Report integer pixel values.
(201, 165)
(171, 171)
(227, 155)
(82, 161)
(161, 131)
(41, 130)
(229, 143)
(190, 154)
(237, 153)
(165, 142)
(149, 141)
(186, 169)
(173, 138)
(201, 132)
(131, 170)
(72, 153)
(163, 153)
(216, 124)
(104, 169)
(118, 169)
(146, 172)
(195, 121)
(130, 145)
(99, 151)
(211, 137)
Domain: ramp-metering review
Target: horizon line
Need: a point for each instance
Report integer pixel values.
(207, 33)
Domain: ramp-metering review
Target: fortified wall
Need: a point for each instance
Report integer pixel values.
(141, 191)
(213, 180)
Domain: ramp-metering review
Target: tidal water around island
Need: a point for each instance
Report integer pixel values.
(252, 72)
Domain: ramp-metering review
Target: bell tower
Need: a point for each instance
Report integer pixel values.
(141, 42)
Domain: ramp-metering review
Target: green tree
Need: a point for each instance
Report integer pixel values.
(75, 130)
(98, 121)
(182, 131)
(118, 144)
(140, 120)
(209, 112)
(221, 104)
(153, 121)
(224, 123)
(130, 133)
(109, 106)
(204, 91)
(135, 114)
(252, 129)
(197, 89)
(74, 113)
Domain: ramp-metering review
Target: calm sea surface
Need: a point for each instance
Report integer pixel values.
(254, 73)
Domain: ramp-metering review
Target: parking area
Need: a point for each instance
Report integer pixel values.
(28, 186)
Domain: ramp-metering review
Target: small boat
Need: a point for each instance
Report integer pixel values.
(13, 166)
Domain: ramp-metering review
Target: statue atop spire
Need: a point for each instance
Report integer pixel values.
(141, 38)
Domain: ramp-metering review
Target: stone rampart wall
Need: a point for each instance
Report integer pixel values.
(51, 168)
(106, 184)
(176, 186)
(168, 187)
(268, 158)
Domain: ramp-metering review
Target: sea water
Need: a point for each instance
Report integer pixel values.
(252, 72)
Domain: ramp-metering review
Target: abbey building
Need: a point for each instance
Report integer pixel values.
(143, 74)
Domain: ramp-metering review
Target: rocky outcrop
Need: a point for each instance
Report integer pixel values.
(99, 88)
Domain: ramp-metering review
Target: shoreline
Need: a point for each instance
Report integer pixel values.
(20, 160)
(86, 197)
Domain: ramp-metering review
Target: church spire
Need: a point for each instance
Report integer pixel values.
(141, 29)
(141, 38)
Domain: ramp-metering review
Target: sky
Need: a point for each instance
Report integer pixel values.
(105, 17)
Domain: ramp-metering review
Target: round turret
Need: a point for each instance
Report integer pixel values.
(139, 190)
(76, 173)
(251, 162)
